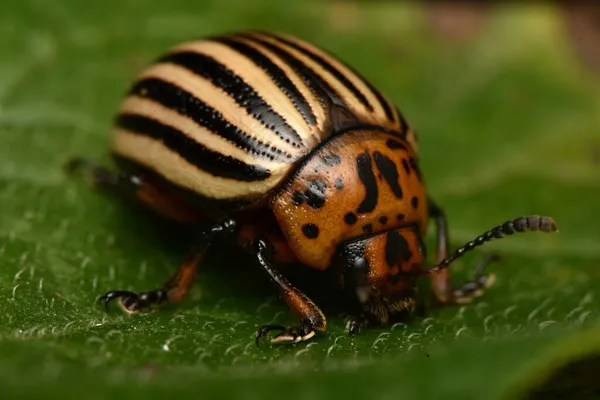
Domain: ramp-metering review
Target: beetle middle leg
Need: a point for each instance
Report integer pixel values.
(311, 317)
(441, 281)
(174, 289)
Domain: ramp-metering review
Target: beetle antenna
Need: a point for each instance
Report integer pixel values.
(521, 224)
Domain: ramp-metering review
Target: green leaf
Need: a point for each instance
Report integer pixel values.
(508, 123)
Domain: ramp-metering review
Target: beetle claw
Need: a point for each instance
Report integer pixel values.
(264, 331)
(133, 302)
(129, 301)
(288, 335)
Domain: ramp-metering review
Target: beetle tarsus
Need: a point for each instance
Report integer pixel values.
(264, 331)
(353, 327)
(133, 302)
(476, 286)
(288, 335)
(356, 323)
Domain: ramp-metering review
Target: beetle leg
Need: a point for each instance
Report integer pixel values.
(135, 186)
(442, 284)
(174, 289)
(311, 317)
(475, 286)
(356, 323)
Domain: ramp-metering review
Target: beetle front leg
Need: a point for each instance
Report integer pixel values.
(174, 289)
(441, 281)
(311, 317)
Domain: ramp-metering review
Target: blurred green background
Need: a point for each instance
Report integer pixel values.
(506, 102)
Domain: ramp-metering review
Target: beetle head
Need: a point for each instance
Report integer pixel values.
(380, 270)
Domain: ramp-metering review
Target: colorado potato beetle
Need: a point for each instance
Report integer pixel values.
(270, 141)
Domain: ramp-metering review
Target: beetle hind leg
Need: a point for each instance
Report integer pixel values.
(134, 186)
(311, 317)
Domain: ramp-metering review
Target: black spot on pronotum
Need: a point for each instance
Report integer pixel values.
(406, 166)
(415, 166)
(328, 160)
(367, 177)
(311, 231)
(331, 159)
(350, 218)
(414, 202)
(396, 246)
(298, 197)
(383, 220)
(367, 228)
(395, 144)
(339, 183)
(389, 171)
(400, 217)
(315, 193)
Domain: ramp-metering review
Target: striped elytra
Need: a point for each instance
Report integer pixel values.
(228, 117)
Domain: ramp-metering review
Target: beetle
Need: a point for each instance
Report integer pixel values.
(267, 140)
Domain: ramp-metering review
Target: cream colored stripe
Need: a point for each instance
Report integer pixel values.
(360, 85)
(154, 155)
(220, 101)
(253, 76)
(345, 94)
(212, 141)
(313, 102)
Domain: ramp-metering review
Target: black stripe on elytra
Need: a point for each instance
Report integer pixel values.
(389, 171)
(232, 84)
(184, 103)
(389, 112)
(406, 166)
(404, 127)
(364, 168)
(415, 166)
(319, 87)
(277, 75)
(194, 152)
(329, 68)
(396, 246)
